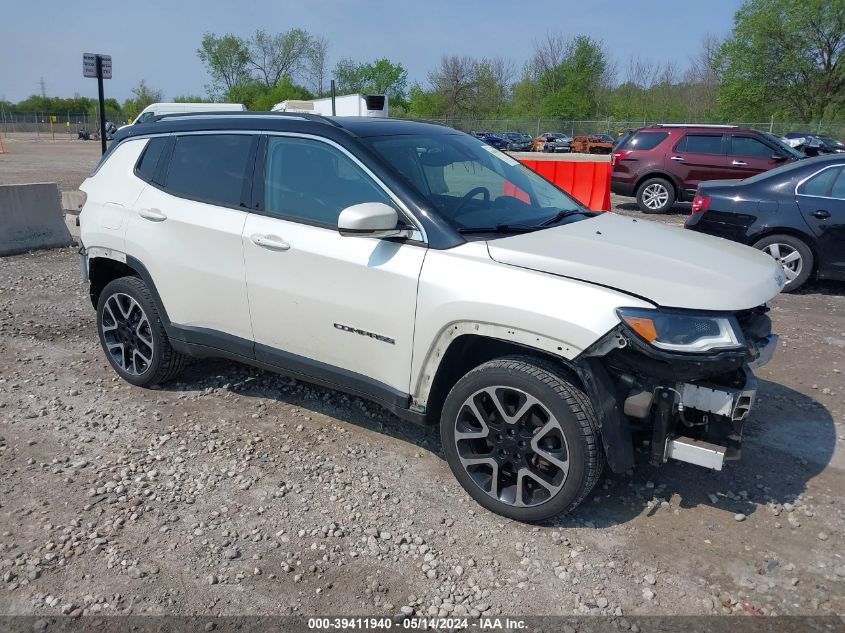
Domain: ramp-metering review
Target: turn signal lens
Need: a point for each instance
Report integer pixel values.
(683, 331)
(642, 326)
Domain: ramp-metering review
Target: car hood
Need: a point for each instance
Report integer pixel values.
(666, 265)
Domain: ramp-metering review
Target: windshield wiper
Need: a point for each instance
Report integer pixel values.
(560, 215)
(499, 228)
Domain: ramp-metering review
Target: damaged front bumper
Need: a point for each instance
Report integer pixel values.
(691, 408)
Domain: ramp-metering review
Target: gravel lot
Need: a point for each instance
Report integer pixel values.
(236, 491)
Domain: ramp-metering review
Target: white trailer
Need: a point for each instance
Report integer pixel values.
(345, 105)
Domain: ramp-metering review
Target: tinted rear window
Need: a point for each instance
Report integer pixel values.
(644, 140)
(149, 159)
(820, 184)
(210, 168)
(838, 188)
(700, 144)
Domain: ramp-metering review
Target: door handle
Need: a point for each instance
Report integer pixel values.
(739, 163)
(676, 158)
(821, 214)
(154, 215)
(270, 242)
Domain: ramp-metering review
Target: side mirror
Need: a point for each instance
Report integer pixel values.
(370, 219)
(779, 157)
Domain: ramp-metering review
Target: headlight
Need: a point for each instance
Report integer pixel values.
(681, 332)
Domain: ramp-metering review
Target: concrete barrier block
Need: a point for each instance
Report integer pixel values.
(72, 201)
(31, 218)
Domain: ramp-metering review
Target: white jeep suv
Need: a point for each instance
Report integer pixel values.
(418, 267)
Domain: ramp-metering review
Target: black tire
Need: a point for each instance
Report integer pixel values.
(560, 397)
(664, 193)
(165, 363)
(782, 247)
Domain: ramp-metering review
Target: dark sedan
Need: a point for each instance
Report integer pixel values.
(517, 142)
(795, 213)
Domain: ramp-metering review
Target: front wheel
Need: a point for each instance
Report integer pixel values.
(133, 336)
(521, 438)
(794, 256)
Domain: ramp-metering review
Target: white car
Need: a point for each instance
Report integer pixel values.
(418, 267)
(158, 109)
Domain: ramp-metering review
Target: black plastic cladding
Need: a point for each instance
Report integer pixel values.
(344, 131)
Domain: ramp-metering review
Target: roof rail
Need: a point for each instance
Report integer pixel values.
(302, 116)
(714, 125)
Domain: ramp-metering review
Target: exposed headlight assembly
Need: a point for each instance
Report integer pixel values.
(683, 332)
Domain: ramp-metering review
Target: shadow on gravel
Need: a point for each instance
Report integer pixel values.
(679, 208)
(821, 287)
(252, 382)
(789, 439)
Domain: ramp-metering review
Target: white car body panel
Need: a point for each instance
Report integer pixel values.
(195, 259)
(299, 296)
(463, 284)
(667, 265)
(105, 215)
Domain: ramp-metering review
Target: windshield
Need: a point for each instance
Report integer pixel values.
(783, 146)
(472, 184)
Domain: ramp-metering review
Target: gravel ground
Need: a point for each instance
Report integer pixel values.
(236, 491)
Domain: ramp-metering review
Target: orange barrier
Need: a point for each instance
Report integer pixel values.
(587, 181)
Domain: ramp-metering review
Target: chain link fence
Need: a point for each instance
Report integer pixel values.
(49, 124)
(614, 127)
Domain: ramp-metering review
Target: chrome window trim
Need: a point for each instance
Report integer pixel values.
(813, 175)
(417, 236)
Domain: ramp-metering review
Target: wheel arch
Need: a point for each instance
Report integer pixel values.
(665, 175)
(106, 266)
(464, 346)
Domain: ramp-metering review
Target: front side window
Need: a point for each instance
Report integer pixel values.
(751, 147)
(210, 168)
(313, 181)
(700, 144)
(471, 184)
(821, 184)
(146, 116)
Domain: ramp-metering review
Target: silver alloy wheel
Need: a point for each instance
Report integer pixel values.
(789, 259)
(655, 196)
(127, 334)
(512, 446)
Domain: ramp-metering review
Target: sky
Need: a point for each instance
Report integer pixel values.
(156, 40)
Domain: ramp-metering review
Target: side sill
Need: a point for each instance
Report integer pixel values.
(201, 344)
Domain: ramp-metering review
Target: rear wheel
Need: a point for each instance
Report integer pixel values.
(521, 438)
(133, 336)
(794, 256)
(655, 195)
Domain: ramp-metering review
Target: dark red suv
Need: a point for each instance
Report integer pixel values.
(664, 163)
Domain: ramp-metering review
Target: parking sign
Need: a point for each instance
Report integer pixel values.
(89, 65)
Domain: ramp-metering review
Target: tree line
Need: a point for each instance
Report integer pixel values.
(783, 59)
